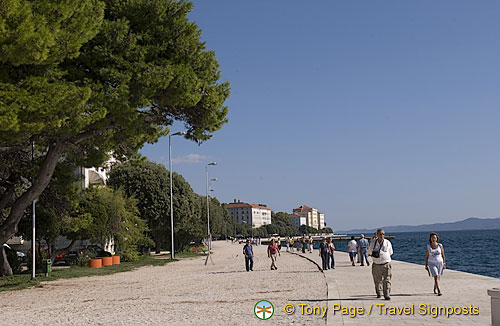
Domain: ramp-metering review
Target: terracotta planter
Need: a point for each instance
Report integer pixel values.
(95, 263)
(116, 260)
(107, 261)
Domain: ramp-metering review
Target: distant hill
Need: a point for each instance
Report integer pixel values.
(472, 223)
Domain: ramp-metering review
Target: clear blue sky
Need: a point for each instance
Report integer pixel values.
(374, 112)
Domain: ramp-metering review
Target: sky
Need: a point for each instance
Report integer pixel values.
(374, 112)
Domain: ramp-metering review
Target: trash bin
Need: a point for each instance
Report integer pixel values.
(495, 306)
(46, 266)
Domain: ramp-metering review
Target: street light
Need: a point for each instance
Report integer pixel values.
(208, 215)
(33, 245)
(180, 133)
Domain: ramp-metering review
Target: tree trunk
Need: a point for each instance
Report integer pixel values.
(158, 246)
(5, 269)
(9, 227)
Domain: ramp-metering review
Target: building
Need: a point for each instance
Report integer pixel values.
(255, 215)
(312, 216)
(297, 220)
(96, 176)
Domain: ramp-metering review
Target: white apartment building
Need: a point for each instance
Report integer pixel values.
(312, 217)
(297, 220)
(96, 176)
(255, 215)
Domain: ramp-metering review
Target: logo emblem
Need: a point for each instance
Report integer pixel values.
(263, 310)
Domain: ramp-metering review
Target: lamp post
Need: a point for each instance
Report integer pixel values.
(172, 248)
(33, 246)
(208, 215)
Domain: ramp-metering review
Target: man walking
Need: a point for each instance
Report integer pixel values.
(272, 252)
(324, 249)
(352, 248)
(363, 250)
(248, 252)
(381, 252)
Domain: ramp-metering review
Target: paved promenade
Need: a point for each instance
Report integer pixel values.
(189, 293)
(352, 286)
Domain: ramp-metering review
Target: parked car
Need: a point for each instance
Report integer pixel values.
(86, 251)
(60, 258)
(16, 259)
(19, 254)
(98, 251)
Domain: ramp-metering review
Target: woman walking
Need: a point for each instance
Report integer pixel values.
(331, 248)
(434, 260)
(272, 252)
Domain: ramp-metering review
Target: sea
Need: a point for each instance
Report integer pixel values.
(471, 251)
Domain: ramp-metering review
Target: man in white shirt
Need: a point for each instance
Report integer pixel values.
(352, 248)
(381, 251)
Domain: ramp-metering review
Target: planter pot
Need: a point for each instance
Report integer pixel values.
(107, 261)
(116, 260)
(95, 263)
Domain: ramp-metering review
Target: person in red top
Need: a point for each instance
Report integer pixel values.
(273, 251)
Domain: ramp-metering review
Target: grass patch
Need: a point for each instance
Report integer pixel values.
(23, 281)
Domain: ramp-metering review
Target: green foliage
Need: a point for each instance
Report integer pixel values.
(280, 224)
(113, 216)
(84, 78)
(84, 258)
(54, 208)
(284, 227)
(124, 72)
(149, 184)
(129, 255)
(304, 229)
(106, 209)
(44, 32)
(132, 232)
(220, 220)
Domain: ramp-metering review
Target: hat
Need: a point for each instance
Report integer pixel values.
(362, 235)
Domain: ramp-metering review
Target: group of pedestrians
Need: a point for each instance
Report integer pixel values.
(379, 248)
(305, 244)
(326, 252)
(273, 251)
(359, 247)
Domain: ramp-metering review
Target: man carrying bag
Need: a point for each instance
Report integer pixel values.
(381, 251)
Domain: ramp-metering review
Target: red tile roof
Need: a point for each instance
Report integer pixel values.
(243, 205)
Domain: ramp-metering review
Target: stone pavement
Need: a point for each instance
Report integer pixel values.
(352, 287)
(187, 292)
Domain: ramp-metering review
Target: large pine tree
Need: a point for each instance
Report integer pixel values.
(83, 78)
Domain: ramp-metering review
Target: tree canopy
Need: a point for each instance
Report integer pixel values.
(149, 183)
(85, 78)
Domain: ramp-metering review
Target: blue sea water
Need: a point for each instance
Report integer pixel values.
(472, 251)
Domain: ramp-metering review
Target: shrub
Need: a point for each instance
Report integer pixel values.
(129, 255)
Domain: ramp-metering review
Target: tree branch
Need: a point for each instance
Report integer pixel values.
(42, 179)
(9, 192)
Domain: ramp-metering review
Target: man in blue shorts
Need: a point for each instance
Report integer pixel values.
(248, 252)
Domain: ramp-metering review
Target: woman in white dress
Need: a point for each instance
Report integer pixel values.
(434, 260)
